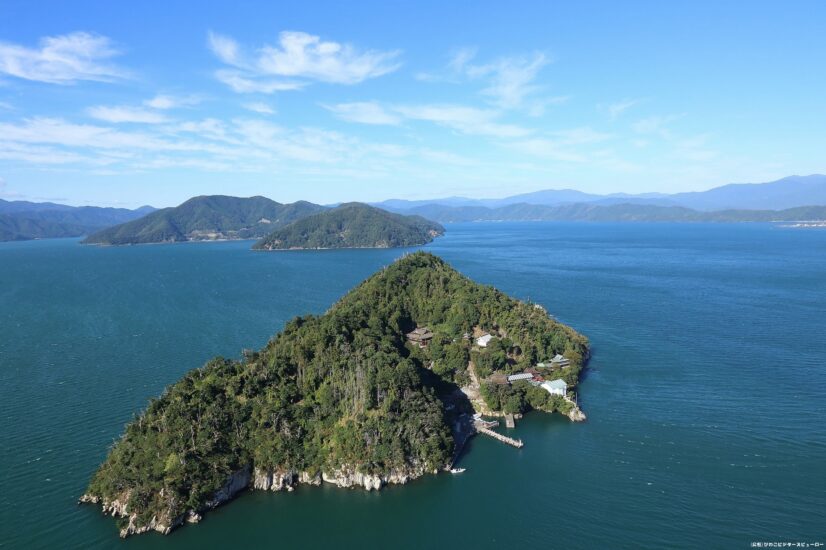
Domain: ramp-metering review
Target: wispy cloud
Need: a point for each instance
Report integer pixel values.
(460, 59)
(508, 82)
(467, 120)
(63, 59)
(656, 125)
(165, 102)
(120, 114)
(247, 83)
(511, 79)
(259, 107)
(564, 145)
(367, 112)
(297, 59)
(616, 109)
(254, 145)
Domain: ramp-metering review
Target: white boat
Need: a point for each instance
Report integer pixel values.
(456, 470)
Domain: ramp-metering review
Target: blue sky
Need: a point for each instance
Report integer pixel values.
(151, 103)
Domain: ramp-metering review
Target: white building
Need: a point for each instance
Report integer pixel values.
(482, 341)
(556, 387)
(560, 361)
(521, 376)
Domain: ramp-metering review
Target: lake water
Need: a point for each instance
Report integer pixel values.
(706, 393)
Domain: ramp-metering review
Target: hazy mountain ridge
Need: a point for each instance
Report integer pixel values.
(789, 192)
(23, 220)
(612, 213)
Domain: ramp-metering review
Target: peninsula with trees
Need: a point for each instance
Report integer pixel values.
(352, 225)
(382, 388)
(207, 218)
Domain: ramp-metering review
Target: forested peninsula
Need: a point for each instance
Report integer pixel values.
(207, 218)
(375, 391)
(353, 225)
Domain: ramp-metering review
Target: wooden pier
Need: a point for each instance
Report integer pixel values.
(482, 427)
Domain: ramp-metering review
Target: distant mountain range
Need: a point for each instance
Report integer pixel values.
(610, 213)
(795, 198)
(204, 218)
(789, 192)
(353, 225)
(23, 220)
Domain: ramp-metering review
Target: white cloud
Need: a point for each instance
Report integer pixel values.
(614, 110)
(364, 112)
(259, 107)
(694, 149)
(655, 125)
(164, 102)
(252, 145)
(119, 114)
(563, 145)
(580, 136)
(225, 48)
(548, 148)
(510, 79)
(296, 59)
(42, 130)
(467, 120)
(509, 82)
(240, 82)
(208, 128)
(64, 59)
(460, 59)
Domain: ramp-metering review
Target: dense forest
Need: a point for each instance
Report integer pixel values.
(207, 218)
(343, 391)
(353, 225)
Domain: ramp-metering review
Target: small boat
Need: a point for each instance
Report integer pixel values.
(456, 470)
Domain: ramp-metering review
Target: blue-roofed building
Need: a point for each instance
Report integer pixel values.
(556, 387)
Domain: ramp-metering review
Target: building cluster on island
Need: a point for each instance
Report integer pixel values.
(422, 336)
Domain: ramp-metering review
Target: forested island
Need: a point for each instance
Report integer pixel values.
(353, 225)
(204, 218)
(377, 390)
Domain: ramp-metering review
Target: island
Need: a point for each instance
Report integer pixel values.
(207, 218)
(384, 387)
(352, 225)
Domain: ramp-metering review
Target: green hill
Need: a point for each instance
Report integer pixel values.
(353, 225)
(207, 218)
(340, 398)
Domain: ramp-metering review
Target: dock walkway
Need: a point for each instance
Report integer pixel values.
(482, 428)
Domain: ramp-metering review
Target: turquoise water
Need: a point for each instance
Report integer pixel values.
(705, 393)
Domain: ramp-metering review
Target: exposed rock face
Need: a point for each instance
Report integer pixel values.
(343, 477)
(576, 415)
(274, 481)
(119, 507)
(237, 482)
(349, 477)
